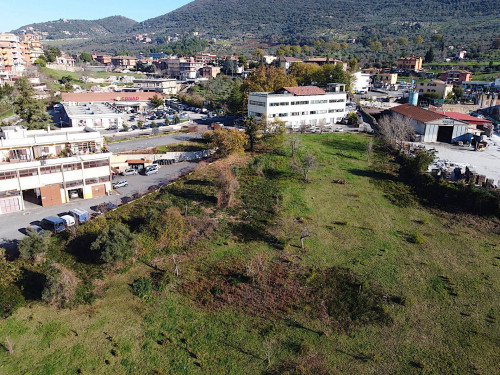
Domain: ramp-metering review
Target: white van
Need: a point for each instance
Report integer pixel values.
(70, 220)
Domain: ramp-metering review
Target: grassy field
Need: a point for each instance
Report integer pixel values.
(439, 271)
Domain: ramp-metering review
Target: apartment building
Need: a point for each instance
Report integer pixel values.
(435, 86)
(31, 174)
(11, 54)
(298, 107)
(410, 64)
(124, 62)
(33, 47)
(206, 58)
(160, 85)
(103, 59)
(456, 77)
(361, 83)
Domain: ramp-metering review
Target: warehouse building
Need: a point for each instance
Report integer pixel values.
(432, 126)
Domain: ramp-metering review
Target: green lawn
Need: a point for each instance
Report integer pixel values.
(439, 271)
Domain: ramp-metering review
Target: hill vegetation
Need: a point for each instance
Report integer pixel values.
(69, 29)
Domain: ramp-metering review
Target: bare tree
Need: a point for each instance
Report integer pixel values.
(8, 346)
(305, 233)
(294, 143)
(304, 164)
(369, 149)
(227, 185)
(396, 129)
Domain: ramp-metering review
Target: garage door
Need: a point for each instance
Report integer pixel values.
(51, 195)
(9, 205)
(98, 191)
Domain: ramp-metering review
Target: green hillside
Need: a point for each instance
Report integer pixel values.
(70, 29)
(383, 284)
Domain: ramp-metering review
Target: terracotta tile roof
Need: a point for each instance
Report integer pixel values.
(138, 161)
(289, 59)
(305, 90)
(85, 97)
(417, 113)
(464, 117)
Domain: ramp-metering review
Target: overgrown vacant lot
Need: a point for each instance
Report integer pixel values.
(380, 287)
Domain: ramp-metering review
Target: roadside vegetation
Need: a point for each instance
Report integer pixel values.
(249, 265)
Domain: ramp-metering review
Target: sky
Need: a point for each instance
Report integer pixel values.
(17, 13)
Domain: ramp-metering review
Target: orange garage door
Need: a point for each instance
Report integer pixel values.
(51, 195)
(98, 191)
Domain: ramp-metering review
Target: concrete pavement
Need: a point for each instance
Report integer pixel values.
(12, 225)
(142, 143)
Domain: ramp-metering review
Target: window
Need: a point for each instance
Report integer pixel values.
(72, 167)
(337, 100)
(260, 104)
(10, 193)
(45, 150)
(295, 114)
(300, 103)
(318, 101)
(96, 164)
(90, 181)
(51, 169)
(322, 111)
(8, 175)
(21, 154)
(104, 179)
(283, 115)
(70, 184)
(28, 172)
(313, 112)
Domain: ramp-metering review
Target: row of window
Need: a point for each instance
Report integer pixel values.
(320, 112)
(260, 104)
(96, 164)
(53, 169)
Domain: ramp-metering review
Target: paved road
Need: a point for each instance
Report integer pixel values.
(140, 144)
(12, 225)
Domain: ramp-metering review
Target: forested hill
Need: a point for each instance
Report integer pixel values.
(285, 18)
(68, 29)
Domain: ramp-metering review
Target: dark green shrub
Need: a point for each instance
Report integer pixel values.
(142, 287)
(34, 244)
(114, 243)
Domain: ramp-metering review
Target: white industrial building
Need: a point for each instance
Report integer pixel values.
(93, 115)
(308, 106)
(159, 85)
(42, 167)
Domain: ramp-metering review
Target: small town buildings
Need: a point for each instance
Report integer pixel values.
(324, 60)
(298, 107)
(269, 59)
(11, 54)
(124, 62)
(160, 85)
(286, 62)
(476, 121)
(51, 167)
(386, 79)
(103, 59)
(456, 77)
(432, 126)
(410, 64)
(362, 83)
(442, 89)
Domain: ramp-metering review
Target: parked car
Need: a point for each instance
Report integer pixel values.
(73, 194)
(80, 214)
(129, 172)
(70, 220)
(120, 183)
(339, 129)
(134, 127)
(113, 127)
(152, 169)
(35, 229)
(53, 224)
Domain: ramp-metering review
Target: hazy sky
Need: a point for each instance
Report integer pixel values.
(17, 13)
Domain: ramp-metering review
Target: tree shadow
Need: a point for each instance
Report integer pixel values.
(373, 174)
(31, 284)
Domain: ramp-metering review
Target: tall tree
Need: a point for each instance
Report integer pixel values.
(28, 108)
(304, 72)
(235, 100)
(85, 57)
(157, 101)
(266, 79)
(429, 55)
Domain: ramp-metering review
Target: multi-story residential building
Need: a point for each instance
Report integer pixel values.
(11, 54)
(160, 85)
(386, 79)
(410, 64)
(286, 62)
(33, 47)
(209, 71)
(456, 77)
(103, 59)
(30, 170)
(206, 58)
(435, 86)
(124, 62)
(323, 60)
(306, 106)
(182, 68)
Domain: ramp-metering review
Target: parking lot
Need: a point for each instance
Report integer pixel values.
(12, 225)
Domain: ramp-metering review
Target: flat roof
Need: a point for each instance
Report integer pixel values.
(88, 97)
(89, 109)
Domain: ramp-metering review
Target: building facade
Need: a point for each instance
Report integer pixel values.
(298, 107)
(456, 77)
(410, 64)
(442, 89)
(159, 85)
(361, 83)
